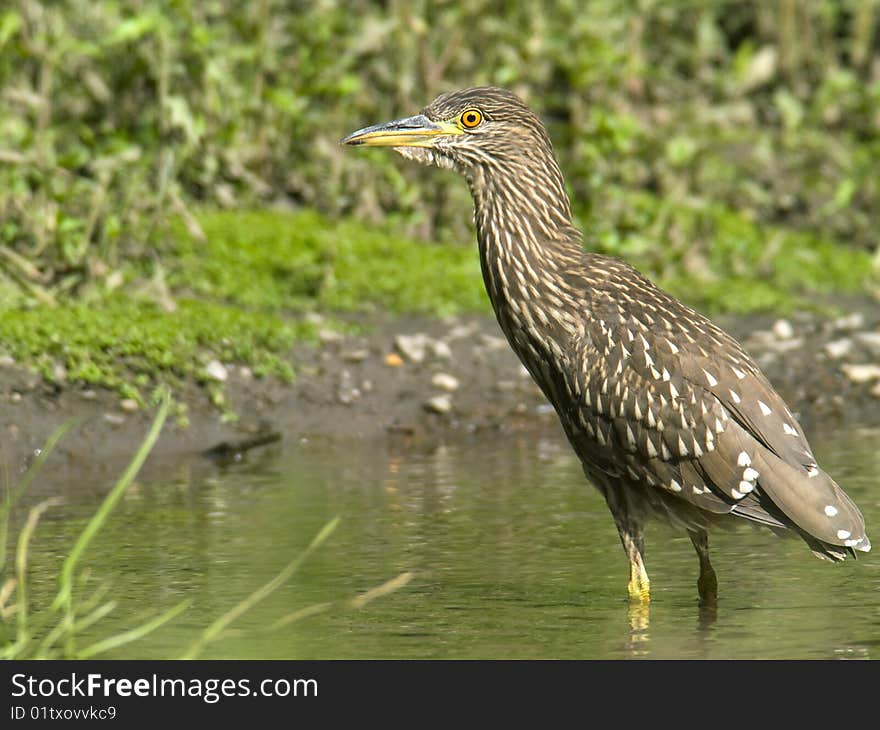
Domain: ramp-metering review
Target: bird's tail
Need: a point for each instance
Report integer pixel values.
(827, 519)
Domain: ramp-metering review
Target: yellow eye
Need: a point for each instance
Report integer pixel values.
(471, 118)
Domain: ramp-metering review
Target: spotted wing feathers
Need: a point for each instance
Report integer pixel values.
(668, 408)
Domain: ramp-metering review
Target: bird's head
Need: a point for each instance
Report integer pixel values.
(484, 126)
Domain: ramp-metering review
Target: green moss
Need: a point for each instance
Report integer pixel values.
(129, 346)
(298, 261)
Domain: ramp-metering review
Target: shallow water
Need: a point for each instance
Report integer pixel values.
(512, 555)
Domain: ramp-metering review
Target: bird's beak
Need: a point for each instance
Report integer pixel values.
(418, 131)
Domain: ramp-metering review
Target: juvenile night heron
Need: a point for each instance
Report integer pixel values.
(667, 413)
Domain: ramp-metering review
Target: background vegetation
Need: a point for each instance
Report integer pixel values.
(730, 148)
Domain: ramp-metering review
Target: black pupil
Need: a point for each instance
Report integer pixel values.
(471, 118)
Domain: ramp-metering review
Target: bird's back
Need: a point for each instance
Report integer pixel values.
(655, 396)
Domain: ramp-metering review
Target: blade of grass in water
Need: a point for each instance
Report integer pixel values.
(12, 495)
(216, 628)
(64, 597)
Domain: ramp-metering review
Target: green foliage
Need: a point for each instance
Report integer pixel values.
(115, 114)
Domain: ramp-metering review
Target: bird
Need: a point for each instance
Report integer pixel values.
(669, 416)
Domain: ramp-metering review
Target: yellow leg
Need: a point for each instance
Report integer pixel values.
(639, 587)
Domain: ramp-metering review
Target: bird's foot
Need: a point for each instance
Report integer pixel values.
(639, 589)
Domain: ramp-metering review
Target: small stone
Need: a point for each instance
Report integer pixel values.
(439, 404)
(245, 372)
(117, 419)
(89, 394)
(129, 404)
(853, 321)
(875, 391)
(393, 360)
(6, 361)
(441, 350)
(837, 349)
(355, 355)
(444, 381)
(793, 343)
(871, 340)
(412, 347)
(861, 373)
(491, 342)
(783, 330)
(461, 331)
(59, 373)
(347, 393)
(216, 370)
(329, 337)
(15, 396)
(415, 348)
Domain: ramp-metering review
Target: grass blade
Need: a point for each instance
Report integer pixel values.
(217, 627)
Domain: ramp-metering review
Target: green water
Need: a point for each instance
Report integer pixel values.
(512, 555)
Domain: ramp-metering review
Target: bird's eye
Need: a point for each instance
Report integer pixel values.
(471, 118)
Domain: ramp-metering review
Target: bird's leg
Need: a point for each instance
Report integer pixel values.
(639, 586)
(707, 583)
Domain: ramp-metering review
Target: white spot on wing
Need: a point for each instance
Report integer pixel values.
(710, 379)
(765, 409)
(746, 487)
(735, 396)
(750, 474)
(830, 510)
(676, 487)
(744, 459)
(843, 534)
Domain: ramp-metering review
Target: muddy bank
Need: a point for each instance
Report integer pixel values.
(407, 382)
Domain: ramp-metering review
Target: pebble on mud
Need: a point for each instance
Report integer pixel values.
(129, 404)
(836, 349)
(439, 404)
(355, 355)
(329, 337)
(216, 370)
(783, 330)
(416, 347)
(861, 373)
(871, 341)
(393, 360)
(445, 381)
(853, 321)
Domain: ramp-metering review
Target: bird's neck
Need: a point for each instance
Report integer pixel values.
(527, 243)
(527, 200)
